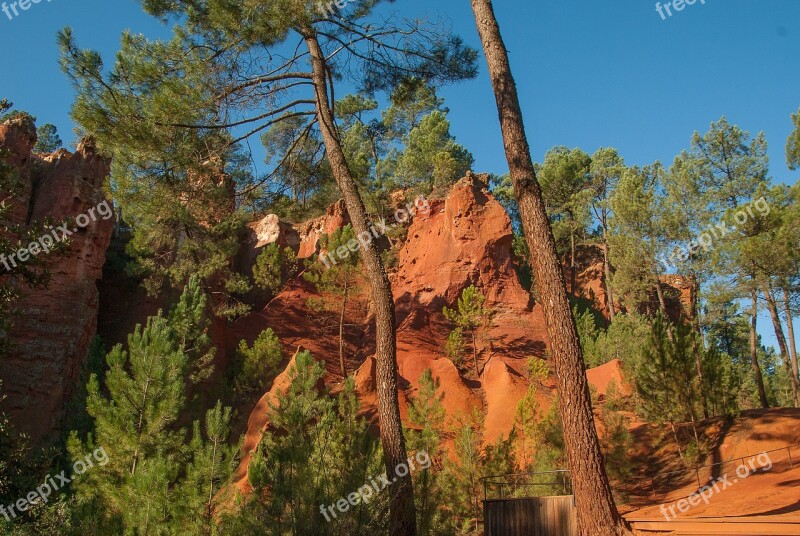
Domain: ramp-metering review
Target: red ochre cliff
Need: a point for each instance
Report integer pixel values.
(56, 324)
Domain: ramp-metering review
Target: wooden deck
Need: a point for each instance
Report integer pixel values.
(719, 526)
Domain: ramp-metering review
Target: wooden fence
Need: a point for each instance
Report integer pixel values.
(536, 516)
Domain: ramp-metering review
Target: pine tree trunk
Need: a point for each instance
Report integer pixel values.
(596, 510)
(475, 354)
(772, 306)
(697, 345)
(790, 329)
(662, 306)
(607, 274)
(341, 330)
(762, 393)
(572, 261)
(662, 302)
(402, 516)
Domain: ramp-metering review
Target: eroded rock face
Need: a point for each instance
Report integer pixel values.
(56, 324)
(464, 239)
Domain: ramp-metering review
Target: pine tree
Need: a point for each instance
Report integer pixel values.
(565, 181)
(793, 143)
(212, 464)
(427, 415)
(258, 364)
(189, 322)
(146, 393)
(337, 276)
(470, 317)
(47, 139)
(637, 240)
(316, 452)
(666, 379)
(605, 171)
(274, 266)
(526, 431)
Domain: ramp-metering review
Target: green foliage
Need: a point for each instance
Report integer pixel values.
(135, 416)
(617, 440)
(146, 393)
(432, 157)
(427, 416)
(666, 378)
(258, 364)
(564, 177)
(793, 143)
(338, 279)
(316, 451)
(527, 433)
(462, 474)
(470, 316)
(456, 346)
(48, 140)
(420, 152)
(636, 240)
(13, 464)
(622, 339)
(189, 323)
(213, 461)
(274, 267)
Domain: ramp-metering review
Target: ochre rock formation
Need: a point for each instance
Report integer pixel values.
(463, 240)
(58, 322)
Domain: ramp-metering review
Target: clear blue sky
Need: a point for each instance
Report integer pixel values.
(590, 72)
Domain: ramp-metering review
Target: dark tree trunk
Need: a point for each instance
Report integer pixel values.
(698, 344)
(572, 262)
(402, 516)
(596, 510)
(790, 329)
(762, 393)
(772, 306)
(607, 274)
(341, 329)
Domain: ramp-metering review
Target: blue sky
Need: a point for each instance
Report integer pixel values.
(591, 73)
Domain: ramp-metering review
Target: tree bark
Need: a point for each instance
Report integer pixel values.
(402, 516)
(790, 329)
(572, 261)
(341, 329)
(596, 510)
(772, 306)
(762, 393)
(607, 273)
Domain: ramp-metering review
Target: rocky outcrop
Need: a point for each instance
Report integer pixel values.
(465, 239)
(311, 231)
(57, 322)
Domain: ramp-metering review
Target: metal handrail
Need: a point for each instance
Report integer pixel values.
(697, 468)
(518, 480)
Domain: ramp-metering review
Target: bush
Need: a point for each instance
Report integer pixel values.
(259, 363)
